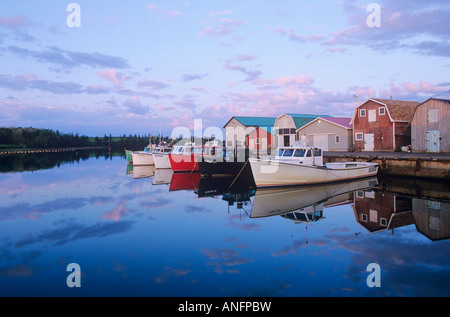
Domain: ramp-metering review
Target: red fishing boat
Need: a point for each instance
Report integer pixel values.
(185, 158)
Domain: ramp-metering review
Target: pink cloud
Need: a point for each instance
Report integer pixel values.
(299, 80)
(113, 76)
(116, 213)
(12, 22)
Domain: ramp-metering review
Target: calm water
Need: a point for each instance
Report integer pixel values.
(179, 235)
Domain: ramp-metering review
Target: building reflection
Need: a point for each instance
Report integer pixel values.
(393, 206)
(378, 206)
(378, 211)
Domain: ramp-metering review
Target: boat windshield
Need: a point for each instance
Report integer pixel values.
(288, 152)
(147, 149)
(280, 152)
(299, 153)
(177, 149)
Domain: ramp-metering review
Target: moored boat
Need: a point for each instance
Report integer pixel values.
(161, 156)
(143, 157)
(301, 165)
(129, 156)
(227, 163)
(184, 158)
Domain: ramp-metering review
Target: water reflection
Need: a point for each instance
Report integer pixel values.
(194, 236)
(48, 160)
(271, 202)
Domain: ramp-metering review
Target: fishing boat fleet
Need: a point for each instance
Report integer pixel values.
(294, 165)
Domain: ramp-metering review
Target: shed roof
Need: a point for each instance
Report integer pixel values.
(301, 119)
(399, 110)
(342, 122)
(345, 122)
(254, 121)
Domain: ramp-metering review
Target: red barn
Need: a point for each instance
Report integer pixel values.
(261, 141)
(382, 124)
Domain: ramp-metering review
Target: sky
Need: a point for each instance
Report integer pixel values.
(145, 67)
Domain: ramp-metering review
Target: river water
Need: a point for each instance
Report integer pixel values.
(137, 231)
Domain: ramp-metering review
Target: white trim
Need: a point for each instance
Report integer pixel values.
(325, 119)
(362, 136)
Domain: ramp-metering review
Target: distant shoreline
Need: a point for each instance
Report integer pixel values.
(49, 150)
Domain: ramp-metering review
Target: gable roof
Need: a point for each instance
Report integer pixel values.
(342, 122)
(254, 121)
(398, 110)
(302, 119)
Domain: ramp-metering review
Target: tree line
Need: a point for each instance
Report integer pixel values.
(27, 138)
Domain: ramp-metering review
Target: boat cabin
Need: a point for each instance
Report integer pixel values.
(187, 149)
(300, 155)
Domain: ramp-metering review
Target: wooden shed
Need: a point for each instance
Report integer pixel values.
(242, 131)
(328, 133)
(382, 124)
(430, 126)
(286, 126)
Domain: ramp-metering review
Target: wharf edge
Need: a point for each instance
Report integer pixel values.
(407, 164)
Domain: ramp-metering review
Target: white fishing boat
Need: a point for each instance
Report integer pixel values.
(161, 156)
(302, 165)
(143, 157)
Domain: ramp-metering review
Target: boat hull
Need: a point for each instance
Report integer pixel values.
(184, 162)
(141, 158)
(161, 160)
(224, 168)
(272, 173)
(129, 156)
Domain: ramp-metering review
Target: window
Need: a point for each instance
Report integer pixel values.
(359, 136)
(292, 131)
(280, 152)
(362, 112)
(381, 111)
(337, 139)
(308, 154)
(286, 131)
(317, 152)
(372, 115)
(257, 141)
(288, 152)
(299, 153)
(433, 115)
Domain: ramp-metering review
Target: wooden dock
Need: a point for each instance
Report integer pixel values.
(418, 165)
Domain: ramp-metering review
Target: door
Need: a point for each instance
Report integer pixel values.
(433, 144)
(368, 142)
(286, 140)
(321, 141)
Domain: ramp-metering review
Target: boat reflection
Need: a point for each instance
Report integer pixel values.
(141, 171)
(305, 202)
(233, 189)
(184, 181)
(162, 176)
